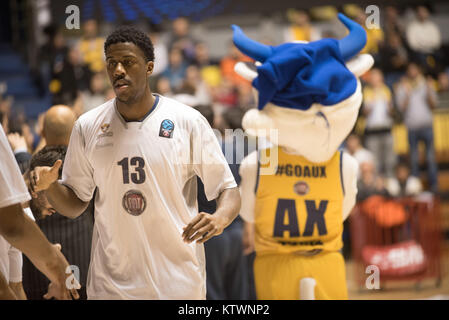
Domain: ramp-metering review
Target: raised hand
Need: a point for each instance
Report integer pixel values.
(17, 141)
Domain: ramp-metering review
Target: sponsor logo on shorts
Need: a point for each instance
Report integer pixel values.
(166, 130)
(301, 188)
(134, 202)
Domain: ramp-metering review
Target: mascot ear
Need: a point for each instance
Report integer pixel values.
(246, 70)
(360, 64)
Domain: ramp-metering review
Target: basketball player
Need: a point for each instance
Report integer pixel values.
(143, 152)
(21, 232)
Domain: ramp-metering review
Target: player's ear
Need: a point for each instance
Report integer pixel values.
(150, 67)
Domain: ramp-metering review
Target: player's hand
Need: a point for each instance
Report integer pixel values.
(203, 227)
(42, 177)
(65, 285)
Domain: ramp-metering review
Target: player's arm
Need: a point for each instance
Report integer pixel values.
(17, 288)
(350, 168)
(21, 232)
(5, 291)
(15, 273)
(61, 197)
(211, 166)
(249, 176)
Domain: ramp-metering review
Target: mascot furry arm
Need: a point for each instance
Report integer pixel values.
(310, 93)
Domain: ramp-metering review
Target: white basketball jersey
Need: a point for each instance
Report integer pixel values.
(12, 191)
(145, 173)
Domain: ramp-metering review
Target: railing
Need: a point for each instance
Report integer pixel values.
(401, 238)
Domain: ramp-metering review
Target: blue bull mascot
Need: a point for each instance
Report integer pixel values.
(298, 191)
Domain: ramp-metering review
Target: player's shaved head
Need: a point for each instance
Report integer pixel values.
(58, 124)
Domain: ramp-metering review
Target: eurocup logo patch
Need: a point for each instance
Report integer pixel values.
(166, 130)
(134, 202)
(301, 188)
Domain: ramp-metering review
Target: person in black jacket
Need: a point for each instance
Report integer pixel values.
(74, 235)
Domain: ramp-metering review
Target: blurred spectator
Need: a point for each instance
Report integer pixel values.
(225, 96)
(202, 57)
(355, 148)
(246, 97)
(370, 183)
(57, 126)
(403, 184)
(74, 76)
(20, 149)
(300, 27)
(416, 98)
(378, 110)
(95, 94)
(58, 123)
(176, 69)
(392, 24)
(55, 51)
(163, 87)
(209, 68)
(227, 66)
(51, 56)
(160, 50)
(200, 90)
(91, 46)
(423, 35)
(443, 90)
(17, 124)
(393, 59)
(5, 110)
(182, 39)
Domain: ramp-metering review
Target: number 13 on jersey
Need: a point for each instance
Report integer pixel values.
(138, 164)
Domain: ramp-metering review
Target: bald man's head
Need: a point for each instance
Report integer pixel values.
(58, 123)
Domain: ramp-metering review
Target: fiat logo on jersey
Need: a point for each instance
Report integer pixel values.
(301, 188)
(134, 202)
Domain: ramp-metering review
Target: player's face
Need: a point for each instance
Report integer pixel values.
(128, 71)
(40, 206)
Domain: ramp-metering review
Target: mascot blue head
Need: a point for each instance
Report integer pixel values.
(308, 92)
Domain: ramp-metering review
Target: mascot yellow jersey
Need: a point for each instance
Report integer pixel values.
(299, 207)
